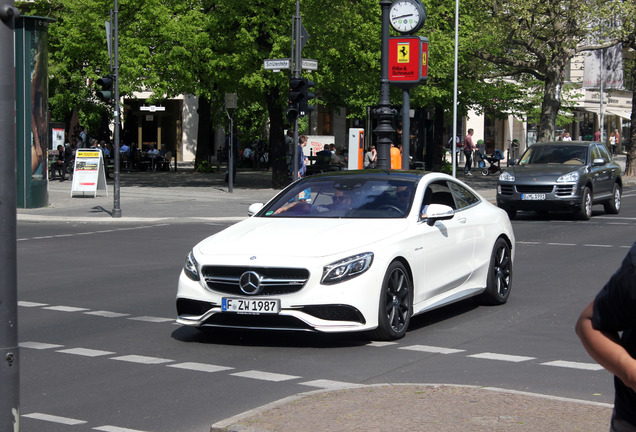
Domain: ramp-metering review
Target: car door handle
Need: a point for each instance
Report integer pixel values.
(461, 220)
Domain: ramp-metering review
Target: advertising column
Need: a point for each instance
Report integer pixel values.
(32, 129)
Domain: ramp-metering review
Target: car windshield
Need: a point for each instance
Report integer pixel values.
(344, 197)
(555, 154)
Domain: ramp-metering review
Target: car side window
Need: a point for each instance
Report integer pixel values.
(437, 193)
(603, 153)
(463, 197)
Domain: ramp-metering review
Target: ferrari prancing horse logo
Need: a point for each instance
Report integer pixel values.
(403, 52)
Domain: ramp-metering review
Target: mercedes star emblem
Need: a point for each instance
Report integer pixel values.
(250, 283)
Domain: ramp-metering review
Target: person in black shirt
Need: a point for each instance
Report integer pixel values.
(613, 311)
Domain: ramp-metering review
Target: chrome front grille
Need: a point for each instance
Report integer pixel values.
(273, 280)
(565, 190)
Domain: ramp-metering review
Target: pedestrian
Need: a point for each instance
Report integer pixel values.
(617, 141)
(370, 158)
(599, 327)
(612, 143)
(59, 164)
(469, 146)
(396, 157)
(567, 137)
(597, 136)
(302, 159)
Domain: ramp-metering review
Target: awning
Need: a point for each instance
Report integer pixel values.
(627, 115)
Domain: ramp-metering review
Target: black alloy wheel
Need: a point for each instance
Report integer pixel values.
(499, 281)
(396, 302)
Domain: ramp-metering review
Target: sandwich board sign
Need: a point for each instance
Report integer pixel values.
(89, 174)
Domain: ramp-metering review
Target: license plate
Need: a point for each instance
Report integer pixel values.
(533, 197)
(251, 306)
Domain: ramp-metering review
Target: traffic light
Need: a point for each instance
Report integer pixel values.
(106, 93)
(304, 107)
(295, 96)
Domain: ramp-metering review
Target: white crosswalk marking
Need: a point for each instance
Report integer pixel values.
(200, 367)
(106, 314)
(54, 419)
(142, 359)
(151, 319)
(65, 308)
(38, 345)
(108, 428)
(431, 349)
(265, 376)
(574, 365)
(31, 304)
(86, 352)
(501, 357)
(329, 384)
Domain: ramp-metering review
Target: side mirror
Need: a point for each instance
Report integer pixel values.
(254, 208)
(598, 162)
(435, 212)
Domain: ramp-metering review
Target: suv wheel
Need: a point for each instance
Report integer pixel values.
(613, 206)
(585, 211)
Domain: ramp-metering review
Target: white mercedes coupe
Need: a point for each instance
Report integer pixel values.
(350, 251)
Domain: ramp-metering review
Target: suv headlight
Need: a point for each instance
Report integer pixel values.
(506, 176)
(569, 178)
(191, 267)
(346, 269)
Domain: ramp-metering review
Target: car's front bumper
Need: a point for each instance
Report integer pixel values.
(558, 196)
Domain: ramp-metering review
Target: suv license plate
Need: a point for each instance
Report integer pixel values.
(251, 306)
(533, 197)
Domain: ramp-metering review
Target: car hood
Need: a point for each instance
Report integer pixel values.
(302, 237)
(542, 172)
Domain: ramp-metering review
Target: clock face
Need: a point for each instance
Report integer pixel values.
(406, 16)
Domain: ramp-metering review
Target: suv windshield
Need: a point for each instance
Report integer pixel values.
(345, 197)
(555, 154)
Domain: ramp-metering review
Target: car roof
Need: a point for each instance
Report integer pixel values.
(410, 175)
(562, 143)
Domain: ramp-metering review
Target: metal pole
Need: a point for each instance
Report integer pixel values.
(116, 203)
(600, 91)
(230, 158)
(454, 138)
(406, 129)
(9, 352)
(297, 63)
(384, 130)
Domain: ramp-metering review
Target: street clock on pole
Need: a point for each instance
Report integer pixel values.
(407, 16)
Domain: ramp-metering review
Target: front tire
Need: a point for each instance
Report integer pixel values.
(613, 206)
(585, 211)
(396, 304)
(499, 281)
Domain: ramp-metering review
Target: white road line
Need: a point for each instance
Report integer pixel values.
(107, 314)
(265, 376)
(38, 345)
(86, 352)
(65, 308)
(574, 365)
(379, 344)
(561, 244)
(108, 428)
(200, 367)
(31, 304)
(502, 357)
(54, 419)
(151, 319)
(598, 245)
(431, 349)
(142, 359)
(329, 384)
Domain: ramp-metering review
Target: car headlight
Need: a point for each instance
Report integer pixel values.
(191, 267)
(506, 176)
(569, 178)
(346, 269)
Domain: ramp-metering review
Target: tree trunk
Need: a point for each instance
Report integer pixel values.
(438, 139)
(550, 106)
(203, 132)
(277, 148)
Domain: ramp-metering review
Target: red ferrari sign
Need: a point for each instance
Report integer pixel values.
(408, 60)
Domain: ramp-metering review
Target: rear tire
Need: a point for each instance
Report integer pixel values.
(485, 171)
(613, 206)
(396, 304)
(499, 279)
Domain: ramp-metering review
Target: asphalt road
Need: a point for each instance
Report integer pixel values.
(100, 349)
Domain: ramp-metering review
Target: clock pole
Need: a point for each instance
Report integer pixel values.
(383, 113)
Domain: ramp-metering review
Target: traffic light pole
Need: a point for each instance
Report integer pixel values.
(9, 351)
(116, 203)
